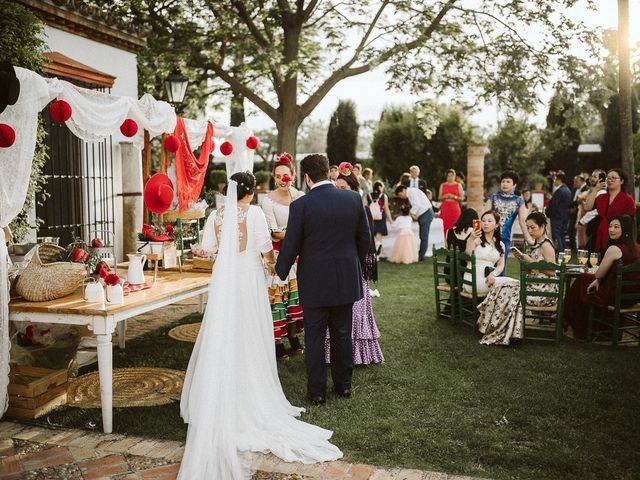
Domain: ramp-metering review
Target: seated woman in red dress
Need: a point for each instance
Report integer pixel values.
(599, 288)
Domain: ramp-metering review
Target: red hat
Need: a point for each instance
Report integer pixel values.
(158, 193)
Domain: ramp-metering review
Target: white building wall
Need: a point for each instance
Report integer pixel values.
(122, 65)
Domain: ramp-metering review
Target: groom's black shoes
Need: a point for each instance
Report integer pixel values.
(316, 399)
(345, 393)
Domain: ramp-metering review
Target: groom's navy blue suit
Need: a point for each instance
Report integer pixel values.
(329, 232)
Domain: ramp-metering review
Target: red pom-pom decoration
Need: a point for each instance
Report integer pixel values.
(253, 142)
(129, 127)
(171, 144)
(7, 135)
(60, 111)
(226, 148)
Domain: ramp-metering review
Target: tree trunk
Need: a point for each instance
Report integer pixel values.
(624, 85)
(287, 136)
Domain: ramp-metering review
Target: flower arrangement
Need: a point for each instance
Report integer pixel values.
(112, 279)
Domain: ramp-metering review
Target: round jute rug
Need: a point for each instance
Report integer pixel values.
(186, 333)
(132, 387)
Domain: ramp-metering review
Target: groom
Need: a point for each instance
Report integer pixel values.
(328, 231)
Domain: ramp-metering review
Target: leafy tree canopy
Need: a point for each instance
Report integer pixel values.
(285, 56)
(399, 142)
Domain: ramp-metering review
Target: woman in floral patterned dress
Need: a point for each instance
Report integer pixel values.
(501, 316)
(283, 294)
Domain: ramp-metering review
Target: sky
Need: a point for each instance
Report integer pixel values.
(369, 92)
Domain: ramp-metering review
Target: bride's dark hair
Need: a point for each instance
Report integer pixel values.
(246, 184)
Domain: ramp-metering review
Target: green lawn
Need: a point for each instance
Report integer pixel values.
(443, 402)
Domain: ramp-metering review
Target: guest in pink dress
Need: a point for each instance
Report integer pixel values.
(450, 196)
(404, 249)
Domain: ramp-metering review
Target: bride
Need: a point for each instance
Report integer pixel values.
(232, 398)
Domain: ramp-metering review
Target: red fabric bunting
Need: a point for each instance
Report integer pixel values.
(191, 171)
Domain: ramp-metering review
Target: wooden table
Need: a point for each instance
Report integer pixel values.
(103, 319)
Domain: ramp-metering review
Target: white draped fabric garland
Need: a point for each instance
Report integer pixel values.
(95, 116)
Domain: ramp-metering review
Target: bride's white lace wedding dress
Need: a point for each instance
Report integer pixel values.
(232, 398)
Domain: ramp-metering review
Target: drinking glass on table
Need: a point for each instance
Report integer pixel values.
(566, 255)
(594, 258)
(582, 257)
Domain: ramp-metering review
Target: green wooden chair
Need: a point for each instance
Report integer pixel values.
(444, 282)
(468, 301)
(617, 319)
(536, 326)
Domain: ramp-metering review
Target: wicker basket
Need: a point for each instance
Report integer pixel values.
(46, 279)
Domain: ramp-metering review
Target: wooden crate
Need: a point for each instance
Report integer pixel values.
(34, 391)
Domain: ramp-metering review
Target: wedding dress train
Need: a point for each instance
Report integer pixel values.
(232, 398)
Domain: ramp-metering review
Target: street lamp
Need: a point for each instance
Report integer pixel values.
(176, 86)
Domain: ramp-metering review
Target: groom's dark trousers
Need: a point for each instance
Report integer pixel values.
(329, 234)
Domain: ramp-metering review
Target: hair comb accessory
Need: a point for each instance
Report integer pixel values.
(345, 168)
(284, 159)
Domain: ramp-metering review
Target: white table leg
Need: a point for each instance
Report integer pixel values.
(201, 303)
(105, 369)
(122, 333)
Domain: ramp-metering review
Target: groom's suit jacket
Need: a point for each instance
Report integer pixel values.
(328, 230)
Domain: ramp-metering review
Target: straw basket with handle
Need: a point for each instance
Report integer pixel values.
(45, 278)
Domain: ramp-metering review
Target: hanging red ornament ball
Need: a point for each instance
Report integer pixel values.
(172, 144)
(7, 135)
(253, 142)
(226, 148)
(129, 127)
(60, 111)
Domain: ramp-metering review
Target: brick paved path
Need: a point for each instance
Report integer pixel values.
(30, 452)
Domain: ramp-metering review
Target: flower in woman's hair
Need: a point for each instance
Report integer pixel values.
(284, 159)
(286, 178)
(112, 279)
(345, 168)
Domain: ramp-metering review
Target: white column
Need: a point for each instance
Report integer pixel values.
(132, 209)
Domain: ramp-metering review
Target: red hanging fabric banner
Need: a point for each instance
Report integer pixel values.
(190, 171)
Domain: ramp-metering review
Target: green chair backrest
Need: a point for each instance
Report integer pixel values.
(528, 283)
(466, 263)
(444, 266)
(625, 283)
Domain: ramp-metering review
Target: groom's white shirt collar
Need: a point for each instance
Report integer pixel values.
(323, 182)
